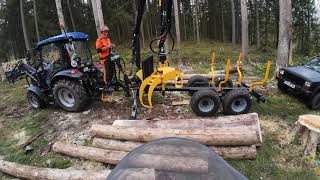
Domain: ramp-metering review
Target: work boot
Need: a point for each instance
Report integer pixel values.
(109, 88)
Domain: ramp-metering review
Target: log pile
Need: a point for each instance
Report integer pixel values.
(232, 137)
(307, 131)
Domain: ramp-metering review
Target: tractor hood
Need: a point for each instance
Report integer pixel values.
(305, 73)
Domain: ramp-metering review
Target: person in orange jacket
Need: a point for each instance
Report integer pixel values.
(103, 46)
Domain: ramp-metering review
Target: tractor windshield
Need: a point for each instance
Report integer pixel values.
(78, 51)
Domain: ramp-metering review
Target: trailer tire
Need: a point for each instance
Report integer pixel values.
(35, 101)
(205, 102)
(237, 101)
(70, 95)
(228, 84)
(198, 81)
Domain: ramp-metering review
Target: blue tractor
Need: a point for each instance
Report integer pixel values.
(60, 70)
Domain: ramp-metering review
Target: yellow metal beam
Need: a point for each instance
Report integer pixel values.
(227, 76)
(213, 61)
(266, 77)
(239, 69)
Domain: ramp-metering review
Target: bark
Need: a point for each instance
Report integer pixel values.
(212, 136)
(36, 19)
(30, 172)
(257, 4)
(100, 13)
(95, 15)
(62, 22)
(71, 16)
(244, 29)
(24, 27)
(159, 162)
(238, 152)
(285, 34)
(177, 25)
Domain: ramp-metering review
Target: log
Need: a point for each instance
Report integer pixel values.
(239, 152)
(31, 172)
(250, 120)
(212, 136)
(208, 76)
(135, 174)
(95, 154)
(167, 163)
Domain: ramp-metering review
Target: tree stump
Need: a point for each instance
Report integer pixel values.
(307, 130)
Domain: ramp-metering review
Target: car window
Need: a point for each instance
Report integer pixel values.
(313, 64)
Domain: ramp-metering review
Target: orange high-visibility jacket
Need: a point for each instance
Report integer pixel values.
(104, 44)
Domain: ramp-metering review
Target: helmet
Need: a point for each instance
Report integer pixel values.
(104, 28)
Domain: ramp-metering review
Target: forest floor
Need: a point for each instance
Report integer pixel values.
(276, 158)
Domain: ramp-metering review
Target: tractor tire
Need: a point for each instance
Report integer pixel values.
(237, 101)
(70, 95)
(315, 102)
(229, 83)
(35, 101)
(205, 103)
(198, 81)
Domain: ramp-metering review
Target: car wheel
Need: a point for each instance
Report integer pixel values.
(282, 87)
(315, 103)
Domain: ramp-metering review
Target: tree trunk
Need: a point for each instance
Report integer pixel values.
(197, 20)
(30, 172)
(285, 34)
(257, 4)
(71, 16)
(62, 22)
(239, 152)
(160, 162)
(24, 27)
(36, 19)
(244, 29)
(95, 15)
(177, 23)
(233, 14)
(222, 21)
(212, 136)
(100, 13)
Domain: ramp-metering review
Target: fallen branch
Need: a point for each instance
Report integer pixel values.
(30, 172)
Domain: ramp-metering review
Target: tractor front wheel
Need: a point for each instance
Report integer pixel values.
(237, 101)
(70, 95)
(35, 101)
(205, 102)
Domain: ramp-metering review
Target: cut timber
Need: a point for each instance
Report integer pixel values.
(30, 172)
(245, 120)
(250, 120)
(95, 154)
(167, 163)
(181, 103)
(238, 152)
(307, 130)
(208, 76)
(212, 136)
(135, 174)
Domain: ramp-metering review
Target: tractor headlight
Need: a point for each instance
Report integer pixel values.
(307, 84)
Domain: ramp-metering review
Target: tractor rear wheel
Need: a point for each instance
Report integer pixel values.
(237, 101)
(205, 102)
(35, 101)
(70, 95)
(198, 81)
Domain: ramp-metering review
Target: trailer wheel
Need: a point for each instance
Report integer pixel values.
(205, 103)
(282, 87)
(228, 84)
(35, 101)
(237, 101)
(70, 95)
(198, 81)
